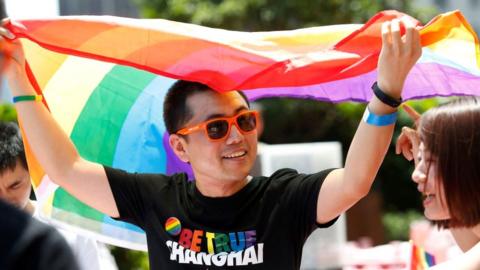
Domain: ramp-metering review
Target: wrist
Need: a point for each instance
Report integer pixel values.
(385, 97)
(22, 98)
(20, 85)
(378, 107)
(373, 119)
(393, 91)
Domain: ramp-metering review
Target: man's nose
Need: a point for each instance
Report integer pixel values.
(235, 135)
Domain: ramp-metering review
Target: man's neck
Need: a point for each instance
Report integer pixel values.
(216, 189)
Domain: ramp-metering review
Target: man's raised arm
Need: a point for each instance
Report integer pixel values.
(54, 150)
(344, 187)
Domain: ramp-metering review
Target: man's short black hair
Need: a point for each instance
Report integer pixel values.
(11, 147)
(175, 110)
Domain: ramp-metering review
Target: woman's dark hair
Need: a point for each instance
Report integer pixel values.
(451, 133)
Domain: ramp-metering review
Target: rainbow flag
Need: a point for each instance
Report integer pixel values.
(420, 259)
(104, 80)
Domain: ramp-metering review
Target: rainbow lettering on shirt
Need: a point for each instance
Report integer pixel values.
(233, 248)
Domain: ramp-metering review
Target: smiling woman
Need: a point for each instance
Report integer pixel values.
(446, 146)
(433, 190)
(450, 135)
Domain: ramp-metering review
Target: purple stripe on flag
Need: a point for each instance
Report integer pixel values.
(425, 80)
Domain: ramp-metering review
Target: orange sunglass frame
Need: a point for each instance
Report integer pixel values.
(230, 120)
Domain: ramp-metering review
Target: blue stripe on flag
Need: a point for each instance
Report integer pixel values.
(140, 147)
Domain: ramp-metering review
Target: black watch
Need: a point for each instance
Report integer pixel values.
(383, 97)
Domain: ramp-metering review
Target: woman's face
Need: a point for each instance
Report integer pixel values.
(425, 176)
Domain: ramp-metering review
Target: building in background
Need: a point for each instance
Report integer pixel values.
(23, 9)
(123, 8)
(49, 8)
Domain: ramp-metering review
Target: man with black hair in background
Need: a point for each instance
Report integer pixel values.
(15, 188)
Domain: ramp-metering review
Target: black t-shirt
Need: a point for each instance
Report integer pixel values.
(262, 226)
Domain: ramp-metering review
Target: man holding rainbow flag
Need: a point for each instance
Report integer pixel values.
(224, 218)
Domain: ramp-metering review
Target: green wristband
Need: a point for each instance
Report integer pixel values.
(27, 98)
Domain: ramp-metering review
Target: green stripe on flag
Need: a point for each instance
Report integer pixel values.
(98, 126)
(67, 202)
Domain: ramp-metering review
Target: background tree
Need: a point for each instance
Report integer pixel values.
(8, 113)
(269, 15)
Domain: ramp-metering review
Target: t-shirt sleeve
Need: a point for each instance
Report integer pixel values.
(133, 193)
(300, 198)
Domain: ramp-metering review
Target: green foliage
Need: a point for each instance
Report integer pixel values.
(269, 15)
(294, 120)
(397, 224)
(8, 113)
(130, 259)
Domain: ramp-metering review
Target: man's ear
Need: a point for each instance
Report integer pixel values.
(178, 145)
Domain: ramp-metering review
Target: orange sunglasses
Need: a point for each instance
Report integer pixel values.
(219, 128)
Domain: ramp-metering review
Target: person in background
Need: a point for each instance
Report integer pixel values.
(446, 151)
(15, 188)
(27, 244)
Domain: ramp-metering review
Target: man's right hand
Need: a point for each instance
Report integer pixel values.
(14, 65)
(85, 180)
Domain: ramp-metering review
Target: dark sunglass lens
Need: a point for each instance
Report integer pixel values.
(247, 122)
(217, 129)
